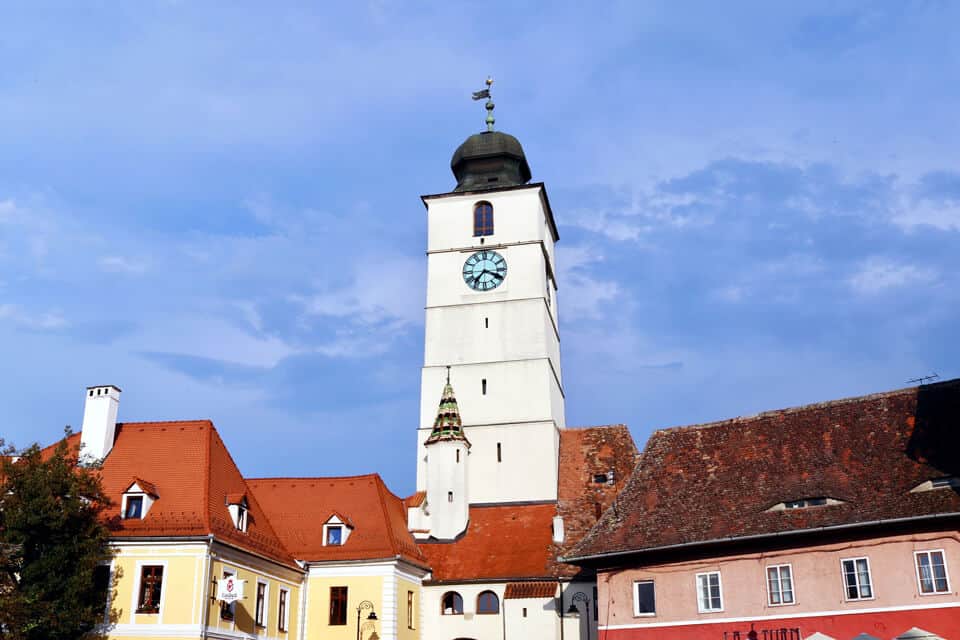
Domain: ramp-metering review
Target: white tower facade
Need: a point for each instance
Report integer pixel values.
(491, 316)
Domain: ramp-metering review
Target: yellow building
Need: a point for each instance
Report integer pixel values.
(314, 558)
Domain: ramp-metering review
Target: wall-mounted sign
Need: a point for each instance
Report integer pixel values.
(229, 589)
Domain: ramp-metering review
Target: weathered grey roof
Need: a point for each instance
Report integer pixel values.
(489, 160)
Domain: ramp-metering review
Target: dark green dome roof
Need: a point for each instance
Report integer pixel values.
(489, 160)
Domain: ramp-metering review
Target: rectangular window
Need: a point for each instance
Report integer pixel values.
(499, 453)
(261, 603)
(282, 610)
(334, 535)
(780, 585)
(856, 579)
(409, 609)
(338, 606)
(101, 584)
(932, 572)
(227, 610)
(151, 587)
(134, 507)
(709, 596)
(644, 600)
(483, 386)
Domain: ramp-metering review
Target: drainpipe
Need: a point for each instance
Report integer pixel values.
(206, 589)
(503, 615)
(560, 585)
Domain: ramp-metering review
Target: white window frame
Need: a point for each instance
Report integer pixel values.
(793, 585)
(266, 605)
(636, 599)
(700, 603)
(946, 572)
(286, 610)
(843, 579)
(135, 596)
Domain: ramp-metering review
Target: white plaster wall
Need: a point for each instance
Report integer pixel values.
(526, 276)
(518, 216)
(517, 391)
(528, 466)
(448, 473)
(437, 626)
(474, 333)
(99, 425)
(541, 620)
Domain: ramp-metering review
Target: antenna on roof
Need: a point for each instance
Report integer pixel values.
(924, 379)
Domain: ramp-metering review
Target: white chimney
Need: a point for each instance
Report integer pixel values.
(99, 421)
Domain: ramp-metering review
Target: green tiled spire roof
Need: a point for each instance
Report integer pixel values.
(447, 425)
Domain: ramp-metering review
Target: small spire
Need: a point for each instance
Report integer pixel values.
(485, 93)
(447, 425)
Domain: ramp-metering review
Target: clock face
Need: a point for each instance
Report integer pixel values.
(484, 270)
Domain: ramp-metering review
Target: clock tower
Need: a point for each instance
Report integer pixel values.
(491, 318)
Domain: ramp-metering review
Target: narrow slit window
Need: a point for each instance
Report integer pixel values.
(458, 455)
(486, 323)
(483, 219)
(449, 496)
(499, 453)
(483, 386)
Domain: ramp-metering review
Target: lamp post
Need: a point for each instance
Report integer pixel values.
(366, 604)
(574, 610)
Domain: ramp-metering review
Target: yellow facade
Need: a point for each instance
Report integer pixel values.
(408, 616)
(359, 589)
(188, 591)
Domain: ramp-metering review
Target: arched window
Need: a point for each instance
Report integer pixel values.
(452, 604)
(487, 602)
(483, 219)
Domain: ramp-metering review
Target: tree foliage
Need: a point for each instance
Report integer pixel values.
(52, 541)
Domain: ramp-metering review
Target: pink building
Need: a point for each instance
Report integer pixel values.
(838, 519)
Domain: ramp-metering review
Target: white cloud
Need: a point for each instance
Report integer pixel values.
(45, 321)
(925, 213)
(120, 264)
(877, 274)
(583, 295)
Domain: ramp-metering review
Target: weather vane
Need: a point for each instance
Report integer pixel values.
(485, 93)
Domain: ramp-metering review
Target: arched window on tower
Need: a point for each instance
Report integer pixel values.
(452, 604)
(483, 219)
(487, 602)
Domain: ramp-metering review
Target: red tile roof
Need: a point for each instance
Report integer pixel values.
(717, 481)
(519, 590)
(298, 508)
(584, 454)
(515, 541)
(194, 474)
(147, 487)
(502, 542)
(416, 499)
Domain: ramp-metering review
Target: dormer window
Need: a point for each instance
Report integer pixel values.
(336, 530)
(334, 535)
(945, 482)
(137, 499)
(134, 507)
(239, 510)
(805, 503)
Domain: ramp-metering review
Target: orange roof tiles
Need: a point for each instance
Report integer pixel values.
(501, 542)
(515, 541)
(416, 499)
(298, 508)
(194, 473)
(519, 590)
(147, 487)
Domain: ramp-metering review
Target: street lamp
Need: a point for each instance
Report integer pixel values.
(574, 610)
(366, 604)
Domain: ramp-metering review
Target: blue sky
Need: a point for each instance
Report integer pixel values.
(758, 207)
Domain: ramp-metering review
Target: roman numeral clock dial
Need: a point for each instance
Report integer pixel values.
(484, 270)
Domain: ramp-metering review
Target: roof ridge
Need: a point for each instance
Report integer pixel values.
(209, 479)
(794, 409)
(394, 545)
(267, 478)
(141, 423)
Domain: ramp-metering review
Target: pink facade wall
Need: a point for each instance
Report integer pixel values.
(817, 577)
